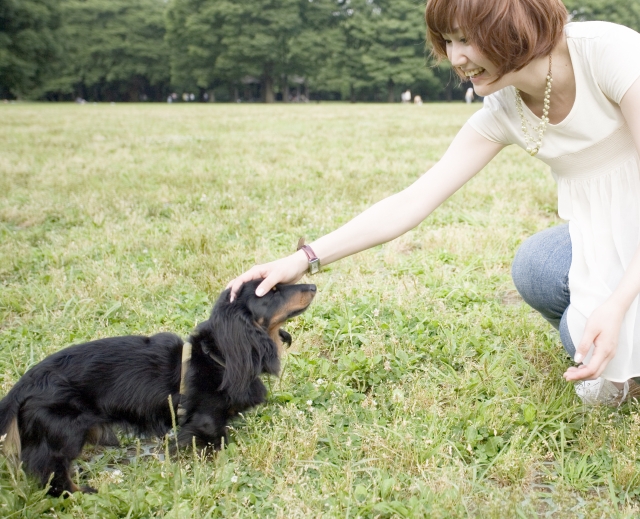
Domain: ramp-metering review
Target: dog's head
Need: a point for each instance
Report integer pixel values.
(247, 333)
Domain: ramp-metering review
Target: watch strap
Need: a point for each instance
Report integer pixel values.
(314, 261)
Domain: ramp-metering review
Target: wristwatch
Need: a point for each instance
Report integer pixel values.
(314, 262)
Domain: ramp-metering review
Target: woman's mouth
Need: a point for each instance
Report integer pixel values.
(471, 74)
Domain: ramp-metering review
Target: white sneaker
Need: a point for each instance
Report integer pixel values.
(601, 391)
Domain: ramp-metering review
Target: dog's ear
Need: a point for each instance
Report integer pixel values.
(246, 348)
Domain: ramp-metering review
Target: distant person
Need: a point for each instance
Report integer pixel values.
(569, 94)
(468, 96)
(417, 100)
(406, 96)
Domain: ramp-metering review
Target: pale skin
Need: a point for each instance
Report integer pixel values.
(467, 155)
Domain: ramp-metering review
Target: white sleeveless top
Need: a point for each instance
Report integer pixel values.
(597, 168)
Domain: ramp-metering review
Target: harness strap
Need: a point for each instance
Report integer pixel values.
(186, 358)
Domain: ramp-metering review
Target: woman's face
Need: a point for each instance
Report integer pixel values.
(473, 64)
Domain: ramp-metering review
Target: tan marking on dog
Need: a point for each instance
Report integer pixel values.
(94, 435)
(300, 301)
(11, 445)
(274, 333)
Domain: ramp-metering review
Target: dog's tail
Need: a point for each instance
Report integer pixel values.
(9, 433)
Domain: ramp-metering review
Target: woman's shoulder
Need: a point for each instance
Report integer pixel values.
(497, 116)
(499, 100)
(608, 53)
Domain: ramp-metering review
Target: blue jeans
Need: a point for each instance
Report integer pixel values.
(540, 272)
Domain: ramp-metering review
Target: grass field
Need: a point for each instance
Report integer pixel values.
(418, 384)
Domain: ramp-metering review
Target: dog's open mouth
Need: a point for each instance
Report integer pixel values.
(285, 337)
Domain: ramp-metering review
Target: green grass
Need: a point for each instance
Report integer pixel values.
(418, 383)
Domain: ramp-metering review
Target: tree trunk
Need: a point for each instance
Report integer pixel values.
(352, 96)
(390, 92)
(267, 88)
(266, 92)
(284, 88)
(134, 90)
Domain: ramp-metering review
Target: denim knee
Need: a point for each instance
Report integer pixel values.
(565, 336)
(540, 272)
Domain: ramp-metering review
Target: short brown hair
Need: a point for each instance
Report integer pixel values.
(510, 33)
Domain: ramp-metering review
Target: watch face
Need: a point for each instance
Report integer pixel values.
(314, 266)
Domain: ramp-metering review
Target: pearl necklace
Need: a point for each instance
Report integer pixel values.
(533, 146)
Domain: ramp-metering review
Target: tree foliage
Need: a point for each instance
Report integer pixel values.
(114, 48)
(224, 41)
(624, 12)
(144, 49)
(29, 46)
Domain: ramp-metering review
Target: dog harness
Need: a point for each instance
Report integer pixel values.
(186, 358)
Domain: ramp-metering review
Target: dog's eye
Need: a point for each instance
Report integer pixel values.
(274, 289)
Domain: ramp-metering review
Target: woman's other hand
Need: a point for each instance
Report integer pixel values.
(285, 270)
(602, 330)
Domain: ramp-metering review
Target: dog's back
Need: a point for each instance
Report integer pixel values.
(118, 379)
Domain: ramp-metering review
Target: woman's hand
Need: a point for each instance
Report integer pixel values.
(602, 330)
(285, 270)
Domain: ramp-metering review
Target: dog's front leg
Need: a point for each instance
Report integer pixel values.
(208, 429)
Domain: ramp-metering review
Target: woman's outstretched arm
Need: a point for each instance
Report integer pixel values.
(468, 153)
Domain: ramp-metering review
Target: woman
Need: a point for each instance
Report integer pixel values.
(568, 93)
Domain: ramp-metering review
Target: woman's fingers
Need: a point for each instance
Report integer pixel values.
(256, 272)
(269, 282)
(588, 339)
(603, 352)
(285, 270)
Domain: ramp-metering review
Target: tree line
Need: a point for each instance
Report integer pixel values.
(231, 50)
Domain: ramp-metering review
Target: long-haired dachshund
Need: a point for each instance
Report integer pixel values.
(73, 396)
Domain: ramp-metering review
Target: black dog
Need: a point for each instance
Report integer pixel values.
(73, 396)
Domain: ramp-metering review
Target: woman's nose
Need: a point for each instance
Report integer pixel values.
(457, 56)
